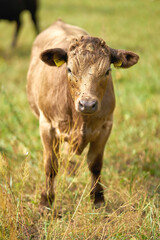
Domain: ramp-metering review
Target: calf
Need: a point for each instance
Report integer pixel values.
(70, 90)
(11, 10)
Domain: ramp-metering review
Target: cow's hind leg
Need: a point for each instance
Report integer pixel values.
(50, 160)
(35, 21)
(18, 26)
(95, 161)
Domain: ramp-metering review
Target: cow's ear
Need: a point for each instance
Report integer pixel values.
(123, 58)
(54, 57)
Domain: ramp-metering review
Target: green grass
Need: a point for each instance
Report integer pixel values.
(131, 171)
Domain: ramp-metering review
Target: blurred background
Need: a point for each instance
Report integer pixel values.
(132, 157)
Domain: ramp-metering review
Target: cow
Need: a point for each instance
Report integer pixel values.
(11, 10)
(70, 90)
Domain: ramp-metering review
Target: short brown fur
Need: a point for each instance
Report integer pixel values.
(74, 101)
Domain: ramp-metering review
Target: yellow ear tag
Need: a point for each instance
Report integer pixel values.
(118, 64)
(58, 62)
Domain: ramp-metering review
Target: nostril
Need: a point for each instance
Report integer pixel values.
(81, 105)
(94, 105)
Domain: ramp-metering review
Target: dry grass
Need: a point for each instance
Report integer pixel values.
(131, 211)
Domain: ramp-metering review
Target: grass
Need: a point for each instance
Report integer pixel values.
(131, 171)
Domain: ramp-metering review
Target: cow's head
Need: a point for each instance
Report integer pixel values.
(88, 62)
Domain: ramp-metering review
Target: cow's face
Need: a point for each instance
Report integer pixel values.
(88, 65)
(88, 69)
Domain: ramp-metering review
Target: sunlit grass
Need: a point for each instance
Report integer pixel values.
(131, 170)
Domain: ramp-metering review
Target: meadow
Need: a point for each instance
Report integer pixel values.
(131, 169)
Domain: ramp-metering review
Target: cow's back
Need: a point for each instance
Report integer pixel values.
(44, 82)
(10, 10)
(58, 34)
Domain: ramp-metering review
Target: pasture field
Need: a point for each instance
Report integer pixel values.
(131, 170)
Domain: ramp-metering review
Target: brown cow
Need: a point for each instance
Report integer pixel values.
(70, 90)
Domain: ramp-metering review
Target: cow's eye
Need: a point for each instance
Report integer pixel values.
(69, 70)
(108, 71)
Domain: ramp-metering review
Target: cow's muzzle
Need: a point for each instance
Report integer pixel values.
(88, 106)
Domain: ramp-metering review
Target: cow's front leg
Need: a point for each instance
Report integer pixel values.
(95, 161)
(50, 160)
